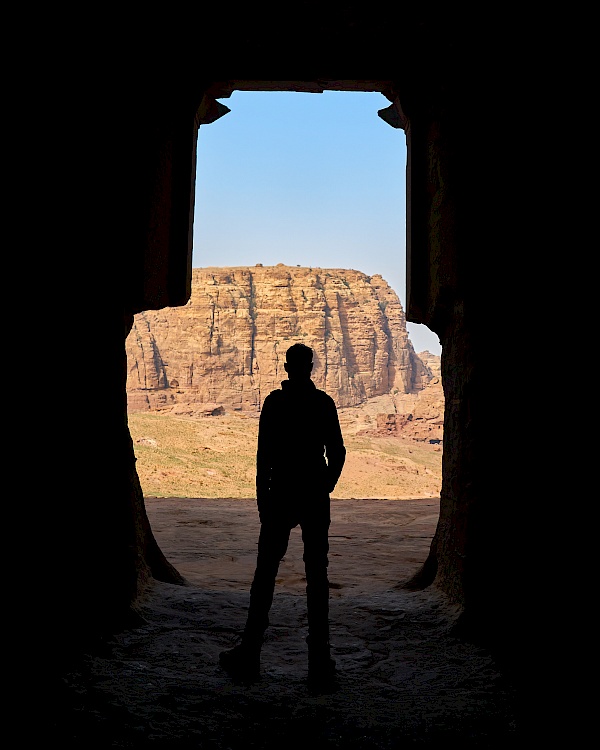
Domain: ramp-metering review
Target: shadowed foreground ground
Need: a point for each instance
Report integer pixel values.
(404, 680)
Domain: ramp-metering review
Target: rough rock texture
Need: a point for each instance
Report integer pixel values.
(227, 345)
(418, 416)
(434, 362)
(424, 423)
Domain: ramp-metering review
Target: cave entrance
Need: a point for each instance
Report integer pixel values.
(300, 180)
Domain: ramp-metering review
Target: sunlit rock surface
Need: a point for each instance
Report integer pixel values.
(227, 345)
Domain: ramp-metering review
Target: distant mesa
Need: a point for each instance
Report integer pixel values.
(226, 347)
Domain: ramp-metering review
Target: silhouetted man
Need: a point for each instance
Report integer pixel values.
(299, 460)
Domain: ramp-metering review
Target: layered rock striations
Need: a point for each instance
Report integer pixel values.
(227, 345)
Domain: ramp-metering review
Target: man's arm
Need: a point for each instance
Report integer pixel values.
(334, 446)
(264, 454)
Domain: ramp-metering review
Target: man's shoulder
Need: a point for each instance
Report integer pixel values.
(325, 397)
(272, 398)
(277, 393)
(316, 393)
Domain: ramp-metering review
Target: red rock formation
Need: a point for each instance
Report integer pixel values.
(227, 345)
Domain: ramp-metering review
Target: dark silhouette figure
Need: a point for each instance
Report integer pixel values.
(299, 460)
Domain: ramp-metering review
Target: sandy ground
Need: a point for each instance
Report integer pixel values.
(404, 679)
(215, 457)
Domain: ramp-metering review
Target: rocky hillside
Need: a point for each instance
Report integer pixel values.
(225, 349)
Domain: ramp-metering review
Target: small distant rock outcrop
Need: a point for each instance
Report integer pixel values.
(226, 347)
(419, 416)
(434, 362)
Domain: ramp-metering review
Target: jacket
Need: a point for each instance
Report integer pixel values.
(300, 445)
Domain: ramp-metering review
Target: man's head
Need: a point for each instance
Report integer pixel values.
(299, 361)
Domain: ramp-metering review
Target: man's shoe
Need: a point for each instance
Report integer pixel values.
(321, 669)
(241, 663)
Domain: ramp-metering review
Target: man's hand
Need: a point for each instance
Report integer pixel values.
(262, 500)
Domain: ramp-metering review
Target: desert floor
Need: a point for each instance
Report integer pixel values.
(215, 457)
(404, 679)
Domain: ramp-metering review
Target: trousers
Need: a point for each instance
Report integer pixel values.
(273, 542)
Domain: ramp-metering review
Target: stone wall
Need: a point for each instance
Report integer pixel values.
(227, 344)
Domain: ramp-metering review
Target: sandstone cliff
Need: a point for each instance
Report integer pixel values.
(227, 346)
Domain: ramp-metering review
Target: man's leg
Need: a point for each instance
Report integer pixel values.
(315, 535)
(243, 661)
(272, 546)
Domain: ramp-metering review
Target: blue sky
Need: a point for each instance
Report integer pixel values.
(305, 179)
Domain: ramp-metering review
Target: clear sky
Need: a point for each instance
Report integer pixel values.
(305, 179)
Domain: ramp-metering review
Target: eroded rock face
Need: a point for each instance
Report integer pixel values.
(421, 417)
(227, 345)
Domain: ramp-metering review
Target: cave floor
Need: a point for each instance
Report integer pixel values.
(404, 679)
